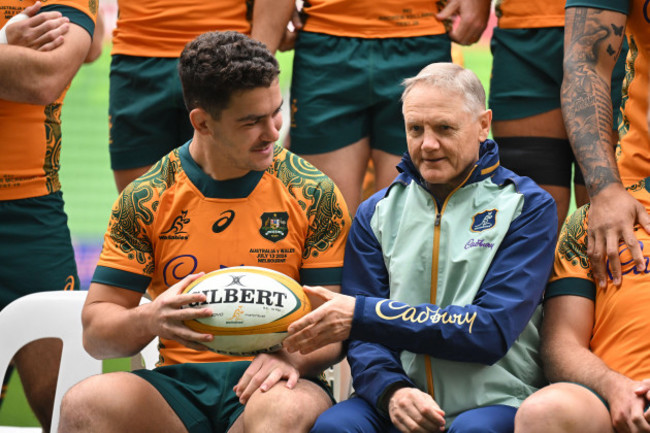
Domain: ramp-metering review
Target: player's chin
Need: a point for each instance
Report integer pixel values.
(263, 156)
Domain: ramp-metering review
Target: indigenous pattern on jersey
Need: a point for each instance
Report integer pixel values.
(529, 14)
(161, 28)
(175, 221)
(30, 135)
(373, 18)
(621, 319)
(633, 150)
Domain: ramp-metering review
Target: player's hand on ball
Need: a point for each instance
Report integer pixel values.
(266, 370)
(166, 316)
(331, 322)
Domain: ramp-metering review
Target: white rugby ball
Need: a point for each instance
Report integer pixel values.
(252, 308)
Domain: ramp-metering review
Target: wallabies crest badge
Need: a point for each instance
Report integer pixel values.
(274, 225)
(484, 220)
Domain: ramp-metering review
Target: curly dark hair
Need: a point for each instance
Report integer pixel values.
(217, 64)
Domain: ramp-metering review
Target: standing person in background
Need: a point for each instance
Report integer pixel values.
(593, 41)
(527, 48)
(349, 60)
(43, 53)
(595, 337)
(147, 116)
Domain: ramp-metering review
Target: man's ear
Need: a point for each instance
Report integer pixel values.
(485, 122)
(199, 119)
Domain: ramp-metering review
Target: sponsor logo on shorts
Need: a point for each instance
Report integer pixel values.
(177, 228)
(484, 220)
(274, 225)
(70, 283)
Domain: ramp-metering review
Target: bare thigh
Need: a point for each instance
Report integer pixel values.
(563, 407)
(385, 168)
(124, 177)
(37, 364)
(549, 124)
(281, 409)
(117, 402)
(346, 167)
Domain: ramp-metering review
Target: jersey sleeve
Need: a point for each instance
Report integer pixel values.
(571, 269)
(329, 224)
(80, 12)
(622, 6)
(127, 259)
(375, 367)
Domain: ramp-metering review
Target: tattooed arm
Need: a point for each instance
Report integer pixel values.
(592, 43)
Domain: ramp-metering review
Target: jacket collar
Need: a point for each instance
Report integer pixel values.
(487, 163)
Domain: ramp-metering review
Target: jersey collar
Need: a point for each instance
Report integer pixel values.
(241, 187)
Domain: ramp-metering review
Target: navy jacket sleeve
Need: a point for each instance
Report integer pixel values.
(374, 366)
(504, 303)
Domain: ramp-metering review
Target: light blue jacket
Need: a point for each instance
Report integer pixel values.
(448, 294)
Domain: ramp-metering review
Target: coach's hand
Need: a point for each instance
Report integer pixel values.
(472, 17)
(612, 215)
(414, 411)
(330, 322)
(266, 370)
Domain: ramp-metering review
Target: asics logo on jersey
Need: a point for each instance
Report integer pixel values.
(484, 220)
(222, 223)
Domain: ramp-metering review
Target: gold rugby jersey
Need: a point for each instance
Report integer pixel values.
(176, 220)
(529, 14)
(633, 153)
(373, 18)
(30, 135)
(621, 319)
(161, 28)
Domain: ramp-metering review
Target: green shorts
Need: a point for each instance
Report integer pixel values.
(202, 394)
(36, 253)
(527, 72)
(602, 399)
(147, 114)
(345, 89)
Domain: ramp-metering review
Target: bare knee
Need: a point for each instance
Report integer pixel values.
(78, 407)
(285, 410)
(562, 407)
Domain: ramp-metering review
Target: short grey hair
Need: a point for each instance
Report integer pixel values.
(454, 78)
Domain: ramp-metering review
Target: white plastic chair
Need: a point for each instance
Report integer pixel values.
(48, 315)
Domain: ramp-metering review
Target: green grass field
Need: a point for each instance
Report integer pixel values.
(88, 185)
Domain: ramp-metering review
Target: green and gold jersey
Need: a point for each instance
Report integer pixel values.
(373, 18)
(161, 28)
(621, 320)
(176, 220)
(529, 14)
(30, 135)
